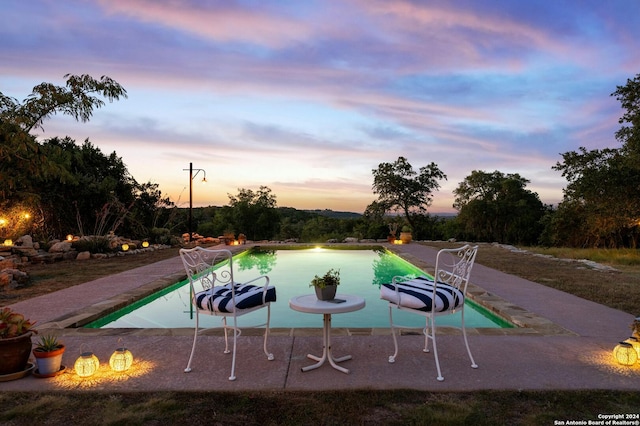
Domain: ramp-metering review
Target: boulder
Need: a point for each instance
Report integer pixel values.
(83, 255)
(13, 278)
(5, 279)
(26, 251)
(60, 247)
(43, 258)
(70, 255)
(25, 241)
(8, 263)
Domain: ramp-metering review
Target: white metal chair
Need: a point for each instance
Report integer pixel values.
(433, 298)
(215, 292)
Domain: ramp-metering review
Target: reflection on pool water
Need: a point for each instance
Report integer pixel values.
(361, 273)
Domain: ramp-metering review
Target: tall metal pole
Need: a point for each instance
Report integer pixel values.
(191, 177)
(190, 200)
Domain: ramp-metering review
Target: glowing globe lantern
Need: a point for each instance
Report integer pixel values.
(69, 237)
(145, 244)
(121, 359)
(125, 247)
(625, 353)
(86, 365)
(633, 341)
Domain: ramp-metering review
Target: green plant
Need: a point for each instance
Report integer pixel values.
(332, 277)
(161, 236)
(47, 343)
(13, 324)
(406, 228)
(92, 244)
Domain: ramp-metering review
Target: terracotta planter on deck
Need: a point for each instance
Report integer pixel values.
(49, 362)
(14, 353)
(406, 237)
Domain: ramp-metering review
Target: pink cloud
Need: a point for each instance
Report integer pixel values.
(222, 22)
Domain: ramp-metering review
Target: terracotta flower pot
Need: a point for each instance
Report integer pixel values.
(406, 237)
(49, 362)
(14, 353)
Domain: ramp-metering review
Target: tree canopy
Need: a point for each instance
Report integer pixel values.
(601, 205)
(401, 188)
(69, 188)
(498, 207)
(21, 157)
(254, 213)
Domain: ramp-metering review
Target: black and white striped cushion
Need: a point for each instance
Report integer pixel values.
(219, 300)
(417, 294)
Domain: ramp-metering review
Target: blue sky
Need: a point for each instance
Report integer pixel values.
(307, 97)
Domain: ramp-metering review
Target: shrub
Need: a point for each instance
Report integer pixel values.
(92, 244)
(161, 236)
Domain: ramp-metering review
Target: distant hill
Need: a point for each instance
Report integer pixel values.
(334, 214)
(445, 215)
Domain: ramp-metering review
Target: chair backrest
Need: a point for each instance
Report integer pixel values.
(199, 264)
(453, 266)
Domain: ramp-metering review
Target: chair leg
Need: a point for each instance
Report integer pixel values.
(392, 358)
(193, 346)
(466, 342)
(269, 355)
(226, 335)
(233, 357)
(435, 348)
(427, 326)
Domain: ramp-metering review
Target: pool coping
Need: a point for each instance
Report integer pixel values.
(528, 323)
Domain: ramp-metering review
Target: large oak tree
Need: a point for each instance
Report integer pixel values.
(601, 204)
(401, 188)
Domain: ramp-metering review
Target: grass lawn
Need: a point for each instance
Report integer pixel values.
(619, 289)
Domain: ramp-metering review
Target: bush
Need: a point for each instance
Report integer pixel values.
(161, 236)
(92, 244)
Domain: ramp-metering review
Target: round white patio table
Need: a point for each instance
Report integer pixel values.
(310, 304)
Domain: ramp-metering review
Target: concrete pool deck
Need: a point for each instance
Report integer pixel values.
(566, 343)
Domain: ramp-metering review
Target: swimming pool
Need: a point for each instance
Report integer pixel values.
(291, 271)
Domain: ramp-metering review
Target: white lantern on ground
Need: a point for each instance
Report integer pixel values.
(86, 365)
(121, 359)
(625, 354)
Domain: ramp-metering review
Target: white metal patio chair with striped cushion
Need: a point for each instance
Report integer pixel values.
(214, 291)
(433, 298)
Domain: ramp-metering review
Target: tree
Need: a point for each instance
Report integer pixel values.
(97, 196)
(401, 188)
(603, 185)
(497, 207)
(21, 158)
(254, 213)
(629, 134)
(75, 189)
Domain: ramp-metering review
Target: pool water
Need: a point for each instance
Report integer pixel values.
(361, 273)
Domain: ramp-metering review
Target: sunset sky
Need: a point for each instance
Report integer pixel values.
(307, 97)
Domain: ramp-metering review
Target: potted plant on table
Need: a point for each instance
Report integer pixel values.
(327, 285)
(15, 341)
(48, 353)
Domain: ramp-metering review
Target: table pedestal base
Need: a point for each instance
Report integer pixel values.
(326, 350)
